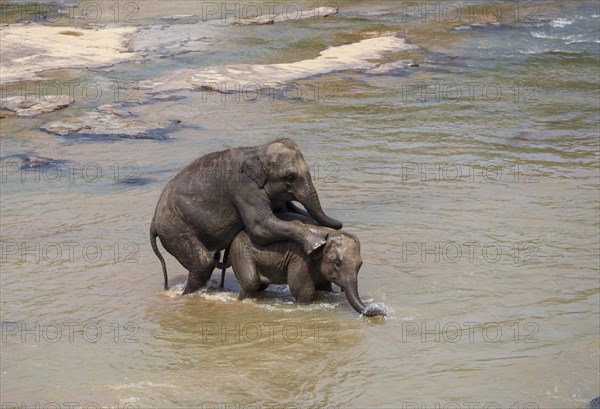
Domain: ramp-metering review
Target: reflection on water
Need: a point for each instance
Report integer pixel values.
(471, 180)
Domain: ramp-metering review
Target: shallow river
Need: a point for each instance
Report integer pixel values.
(469, 171)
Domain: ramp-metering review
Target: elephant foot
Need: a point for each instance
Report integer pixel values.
(192, 285)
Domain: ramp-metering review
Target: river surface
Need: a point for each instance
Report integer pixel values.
(471, 179)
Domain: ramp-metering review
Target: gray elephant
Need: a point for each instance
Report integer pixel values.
(256, 266)
(205, 205)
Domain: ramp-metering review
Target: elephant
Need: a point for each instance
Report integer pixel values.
(212, 199)
(256, 266)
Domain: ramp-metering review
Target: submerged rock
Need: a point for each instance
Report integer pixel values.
(108, 123)
(175, 39)
(181, 17)
(135, 181)
(482, 26)
(392, 66)
(27, 161)
(31, 106)
(288, 17)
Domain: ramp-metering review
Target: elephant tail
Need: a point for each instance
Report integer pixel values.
(153, 235)
(223, 265)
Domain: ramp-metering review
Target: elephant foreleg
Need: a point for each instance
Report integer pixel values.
(300, 281)
(242, 260)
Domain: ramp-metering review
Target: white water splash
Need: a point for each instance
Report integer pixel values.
(561, 22)
(378, 306)
(276, 298)
(175, 291)
(210, 293)
(293, 307)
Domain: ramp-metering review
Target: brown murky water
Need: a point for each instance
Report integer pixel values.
(471, 181)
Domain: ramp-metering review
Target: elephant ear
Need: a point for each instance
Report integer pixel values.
(318, 253)
(253, 168)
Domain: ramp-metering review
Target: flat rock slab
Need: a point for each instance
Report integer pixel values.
(28, 49)
(109, 123)
(31, 106)
(354, 56)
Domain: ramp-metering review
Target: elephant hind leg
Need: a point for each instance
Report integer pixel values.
(192, 255)
(264, 284)
(197, 278)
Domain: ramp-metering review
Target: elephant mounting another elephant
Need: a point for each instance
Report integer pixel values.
(210, 201)
(338, 262)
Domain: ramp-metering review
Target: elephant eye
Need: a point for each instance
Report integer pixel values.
(290, 178)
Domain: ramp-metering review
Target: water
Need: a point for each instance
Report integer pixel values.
(471, 181)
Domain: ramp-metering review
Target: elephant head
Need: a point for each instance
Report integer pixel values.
(339, 263)
(281, 171)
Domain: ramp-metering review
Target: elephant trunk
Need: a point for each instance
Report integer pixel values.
(310, 200)
(351, 291)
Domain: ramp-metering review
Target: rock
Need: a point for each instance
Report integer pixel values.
(5, 113)
(166, 97)
(28, 49)
(35, 105)
(135, 181)
(354, 56)
(302, 15)
(314, 13)
(256, 21)
(108, 123)
(180, 17)
(482, 26)
(392, 66)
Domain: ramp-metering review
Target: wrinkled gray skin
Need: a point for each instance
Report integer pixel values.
(205, 205)
(256, 266)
